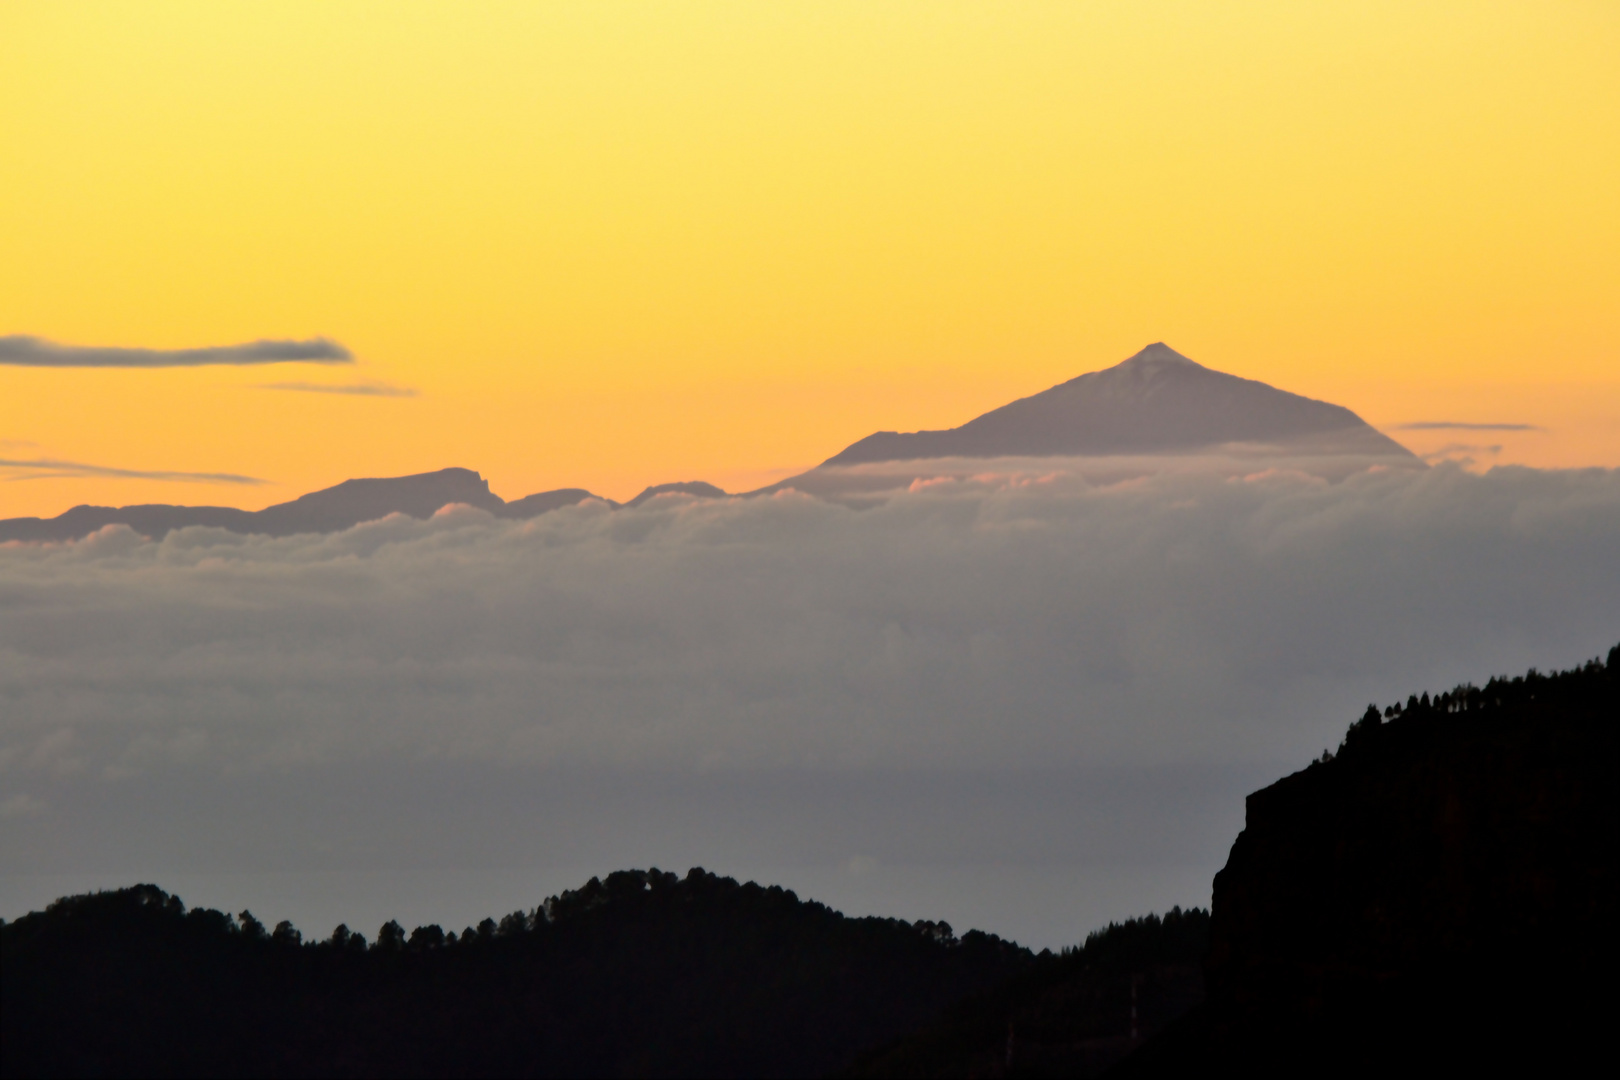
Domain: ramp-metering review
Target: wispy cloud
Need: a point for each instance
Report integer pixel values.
(46, 468)
(366, 389)
(1458, 425)
(21, 350)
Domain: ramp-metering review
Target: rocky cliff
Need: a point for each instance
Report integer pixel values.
(1441, 892)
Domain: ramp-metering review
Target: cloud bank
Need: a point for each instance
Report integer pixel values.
(1173, 617)
(21, 350)
(1068, 686)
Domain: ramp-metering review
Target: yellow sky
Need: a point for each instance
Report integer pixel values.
(612, 245)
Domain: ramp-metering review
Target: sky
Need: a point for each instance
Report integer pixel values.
(250, 251)
(608, 245)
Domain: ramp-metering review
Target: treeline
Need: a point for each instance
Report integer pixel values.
(1581, 688)
(642, 973)
(1072, 1014)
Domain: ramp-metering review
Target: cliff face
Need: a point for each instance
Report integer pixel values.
(1442, 890)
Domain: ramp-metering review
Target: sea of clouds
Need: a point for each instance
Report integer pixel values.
(1025, 702)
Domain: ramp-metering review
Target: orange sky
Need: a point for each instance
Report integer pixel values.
(612, 245)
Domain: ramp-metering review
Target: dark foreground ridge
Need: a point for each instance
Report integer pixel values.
(1441, 893)
(642, 974)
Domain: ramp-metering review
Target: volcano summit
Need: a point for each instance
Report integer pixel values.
(1156, 402)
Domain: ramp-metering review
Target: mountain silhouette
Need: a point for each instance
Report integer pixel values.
(329, 510)
(681, 487)
(354, 501)
(1158, 401)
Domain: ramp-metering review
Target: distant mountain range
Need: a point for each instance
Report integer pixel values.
(1158, 402)
(332, 510)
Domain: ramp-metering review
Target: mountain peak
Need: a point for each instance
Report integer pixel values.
(1158, 353)
(1152, 365)
(1157, 401)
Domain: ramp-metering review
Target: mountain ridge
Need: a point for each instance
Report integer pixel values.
(640, 973)
(332, 509)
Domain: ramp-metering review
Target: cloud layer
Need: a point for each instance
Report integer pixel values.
(1026, 673)
(22, 350)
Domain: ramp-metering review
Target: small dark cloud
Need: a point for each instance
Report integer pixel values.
(21, 350)
(41, 469)
(367, 389)
(1457, 425)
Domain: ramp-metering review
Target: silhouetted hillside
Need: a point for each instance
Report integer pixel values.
(641, 974)
(1440, 893)
(1072, 1014)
